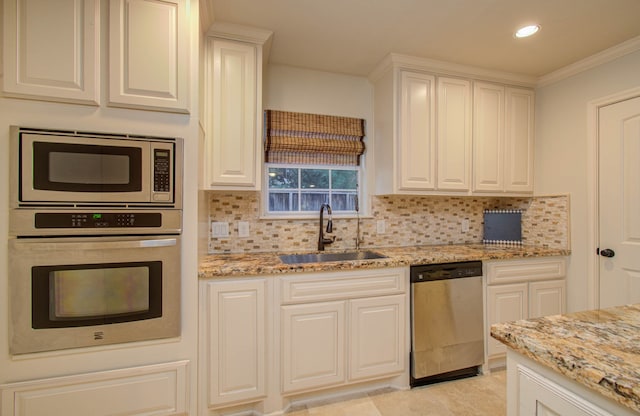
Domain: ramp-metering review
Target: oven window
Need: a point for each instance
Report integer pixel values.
(86, 168)
(98, 292)
(95, 294)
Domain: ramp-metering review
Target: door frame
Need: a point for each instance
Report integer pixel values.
(593, 214)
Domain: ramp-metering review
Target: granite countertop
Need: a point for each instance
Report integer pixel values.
(227, 265)
(599, 349)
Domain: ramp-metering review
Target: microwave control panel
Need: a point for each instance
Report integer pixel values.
(45, 220)
(161, 170)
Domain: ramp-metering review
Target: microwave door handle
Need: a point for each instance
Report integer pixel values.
(102, 245)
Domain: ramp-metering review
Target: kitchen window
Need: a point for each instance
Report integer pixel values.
(302, 189)
(312, 159)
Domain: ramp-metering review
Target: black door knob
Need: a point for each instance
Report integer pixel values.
(607, 252)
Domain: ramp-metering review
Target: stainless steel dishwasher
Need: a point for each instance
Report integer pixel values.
(447, 336)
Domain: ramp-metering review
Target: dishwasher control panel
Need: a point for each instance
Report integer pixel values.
(428, 272)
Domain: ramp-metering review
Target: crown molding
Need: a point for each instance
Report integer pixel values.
(600, 58)
(395, 60)
(240, 33)
(206, 15)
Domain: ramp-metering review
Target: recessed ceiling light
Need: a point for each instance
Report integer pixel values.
(526, 31)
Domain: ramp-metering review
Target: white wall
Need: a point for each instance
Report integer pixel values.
(561, 152)
(30, 113)
(288, 88)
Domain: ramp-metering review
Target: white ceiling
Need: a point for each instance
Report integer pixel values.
(353, 36)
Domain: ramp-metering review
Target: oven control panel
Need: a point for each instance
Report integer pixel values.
(97, 220)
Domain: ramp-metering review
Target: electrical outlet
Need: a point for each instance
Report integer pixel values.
(219, 229)
(380, 227)
(465, 225)
(243, 229)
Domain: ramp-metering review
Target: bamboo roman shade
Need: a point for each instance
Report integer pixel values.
(300, 138)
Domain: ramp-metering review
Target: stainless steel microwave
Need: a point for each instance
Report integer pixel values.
(63, 168)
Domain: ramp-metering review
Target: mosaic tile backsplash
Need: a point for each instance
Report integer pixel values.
(409, 221)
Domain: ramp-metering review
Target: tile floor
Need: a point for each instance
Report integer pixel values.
(476, 396)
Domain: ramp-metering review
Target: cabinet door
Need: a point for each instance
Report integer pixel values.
(454, 134)
(546, 298)
(159, 390)
(377, 336)
(51, 50)
(235, 340)
(539, 396)
(313, 345)
(518, 169)
(231, 156)
(149, 54)
(505, 303)
(416, 136)
(488, 137)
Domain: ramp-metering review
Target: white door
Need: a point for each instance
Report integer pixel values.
(488, 137)
(235, 345)
(313, 345)
(619, 199)
(417, 165)
(505, 303)
(376, 336)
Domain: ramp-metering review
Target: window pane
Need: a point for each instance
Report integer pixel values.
(344, 179)
(343, 201)
(315, 179)
(283, 201)
(312, 201)
(283, 178)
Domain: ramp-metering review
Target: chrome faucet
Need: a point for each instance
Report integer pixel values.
(321, 239)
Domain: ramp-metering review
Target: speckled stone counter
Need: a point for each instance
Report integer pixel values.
(599, 349)
(227, 265)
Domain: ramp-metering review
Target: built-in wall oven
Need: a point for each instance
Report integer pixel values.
(95, 239)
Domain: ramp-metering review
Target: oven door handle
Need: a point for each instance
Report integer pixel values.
(98, 245)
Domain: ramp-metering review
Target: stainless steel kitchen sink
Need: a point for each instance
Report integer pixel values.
(327, 257)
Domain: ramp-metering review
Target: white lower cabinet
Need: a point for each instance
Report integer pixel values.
(313, 345)
(341, 328)
(266, 342)
(160, 389)
(523, 289)
(233, 341)
(535, 390)
(377, 325)
(505, 303)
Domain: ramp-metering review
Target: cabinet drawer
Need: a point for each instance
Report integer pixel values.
(342, 285)
(514, 271)
(160, 389)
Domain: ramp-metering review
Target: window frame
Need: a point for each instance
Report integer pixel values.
(309, 214)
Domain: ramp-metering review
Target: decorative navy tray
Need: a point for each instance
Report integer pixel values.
(503, 226)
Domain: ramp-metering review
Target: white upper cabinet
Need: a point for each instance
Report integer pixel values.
(413, 156)
(502, 139)
(454, 134)
(233, 107)
(148, 54)
(519, 135)
(488, 137)
(416, 142)
(52, 50)
(446, 133)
